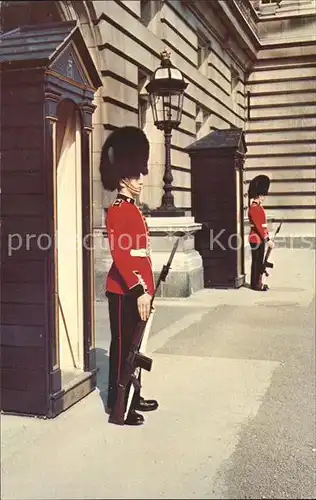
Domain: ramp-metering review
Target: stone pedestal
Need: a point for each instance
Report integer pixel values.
(186, 273)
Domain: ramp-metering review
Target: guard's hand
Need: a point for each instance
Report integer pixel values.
(271, 244)
(143, 303)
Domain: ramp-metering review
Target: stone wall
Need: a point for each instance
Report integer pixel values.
(131, 35)
(281, 129)
(225, 50)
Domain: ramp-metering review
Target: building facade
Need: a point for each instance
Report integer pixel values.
(249, 64)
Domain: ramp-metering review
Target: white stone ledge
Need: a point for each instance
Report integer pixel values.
(172, 224)
(185, 224)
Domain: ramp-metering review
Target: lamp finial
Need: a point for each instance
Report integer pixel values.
(165, 58)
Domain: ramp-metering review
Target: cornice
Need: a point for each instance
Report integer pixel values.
(240, 38)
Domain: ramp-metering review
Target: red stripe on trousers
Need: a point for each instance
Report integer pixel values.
(119, 338)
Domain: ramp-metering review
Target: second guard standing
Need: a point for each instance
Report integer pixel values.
(130, 281)
(259, 234)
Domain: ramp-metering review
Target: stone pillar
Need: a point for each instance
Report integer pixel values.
(186, 274)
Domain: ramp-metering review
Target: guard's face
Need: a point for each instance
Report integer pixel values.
(134, 185)
(137, 184)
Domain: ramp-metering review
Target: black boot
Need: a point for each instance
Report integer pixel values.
(134, 418)
(146, 404)
(262, 288)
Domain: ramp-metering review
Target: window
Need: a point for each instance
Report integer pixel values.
(142, 111)
(145, 11)
(201, 55)
(143, 103)
(203, 51)
(234, 79)
(201, 119)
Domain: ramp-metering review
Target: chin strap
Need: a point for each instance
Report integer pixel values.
(134, 191)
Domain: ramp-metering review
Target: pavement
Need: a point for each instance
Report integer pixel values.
(234, 373)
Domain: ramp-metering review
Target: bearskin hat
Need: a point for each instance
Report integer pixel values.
(259, 185)
(124, 154)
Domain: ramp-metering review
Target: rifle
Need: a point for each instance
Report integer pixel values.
(266, 263)
(135, 358)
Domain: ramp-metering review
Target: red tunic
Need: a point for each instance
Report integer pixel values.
(131, 270)
(258, 223)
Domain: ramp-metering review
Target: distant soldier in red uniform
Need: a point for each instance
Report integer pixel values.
(130, 281)
(259, 235)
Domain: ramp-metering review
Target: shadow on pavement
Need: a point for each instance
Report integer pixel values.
(102, 360)
(246, 285)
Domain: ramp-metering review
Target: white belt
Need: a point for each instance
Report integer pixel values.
(139, 252)
(263, 225)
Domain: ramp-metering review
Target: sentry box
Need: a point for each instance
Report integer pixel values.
(217, 184)
(47, 293)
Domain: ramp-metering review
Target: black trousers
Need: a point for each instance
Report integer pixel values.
(257, 257)
(124, 317)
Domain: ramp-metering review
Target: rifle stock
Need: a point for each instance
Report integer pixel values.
(135, 358)
(117, 414)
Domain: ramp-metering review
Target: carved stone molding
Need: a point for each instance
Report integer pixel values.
(248, 12)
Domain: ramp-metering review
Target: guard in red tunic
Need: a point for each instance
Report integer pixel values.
(259, 235)
(130, 281)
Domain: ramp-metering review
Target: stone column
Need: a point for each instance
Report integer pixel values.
(186, 274)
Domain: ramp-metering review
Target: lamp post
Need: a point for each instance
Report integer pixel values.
(166, 90)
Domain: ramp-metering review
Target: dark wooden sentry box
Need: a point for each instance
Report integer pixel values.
(46, 72)
(217, 162)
